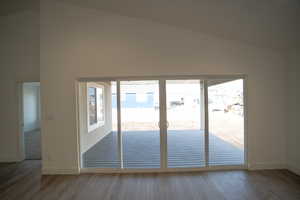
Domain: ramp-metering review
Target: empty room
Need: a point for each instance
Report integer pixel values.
(136, 99)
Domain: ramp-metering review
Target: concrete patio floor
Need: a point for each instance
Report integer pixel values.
(141, 149)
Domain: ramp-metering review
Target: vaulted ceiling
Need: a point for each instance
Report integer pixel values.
(267, 23)
(264, 23)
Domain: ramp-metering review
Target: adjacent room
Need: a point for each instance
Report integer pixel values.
(31, 117)
(156, 100)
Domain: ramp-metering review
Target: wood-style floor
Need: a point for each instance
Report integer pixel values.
(24, 181)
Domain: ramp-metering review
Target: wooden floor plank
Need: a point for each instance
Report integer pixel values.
(24, 181)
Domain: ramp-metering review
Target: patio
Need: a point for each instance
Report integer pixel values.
(141, 149)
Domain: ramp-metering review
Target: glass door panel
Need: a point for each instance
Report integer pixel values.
(139, 124)
(185, 123)
(226, 122)
(100, 144)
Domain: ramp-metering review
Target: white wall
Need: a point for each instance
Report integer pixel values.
(31, 106)
(89, 139)
(293, 146)
(79, 42)
(19, 61)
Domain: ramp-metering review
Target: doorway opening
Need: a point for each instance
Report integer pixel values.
(31, 119)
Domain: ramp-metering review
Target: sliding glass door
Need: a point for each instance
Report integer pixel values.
(139, 124)
(185, 123)
(226, 122)
(99, 138)
(162, 123)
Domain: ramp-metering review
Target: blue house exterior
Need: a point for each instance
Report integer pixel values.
(131, 101)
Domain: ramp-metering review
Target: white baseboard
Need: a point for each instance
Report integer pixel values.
(262, 166)
(295, 170)
(9, 159)
(56, 171)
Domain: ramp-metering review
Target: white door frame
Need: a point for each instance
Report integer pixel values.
(163, 129)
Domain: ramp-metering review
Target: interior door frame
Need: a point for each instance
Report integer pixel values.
(163, 129)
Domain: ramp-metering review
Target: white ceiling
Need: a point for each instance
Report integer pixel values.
(266, 23)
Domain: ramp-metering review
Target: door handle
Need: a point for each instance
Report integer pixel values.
(167, 124)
